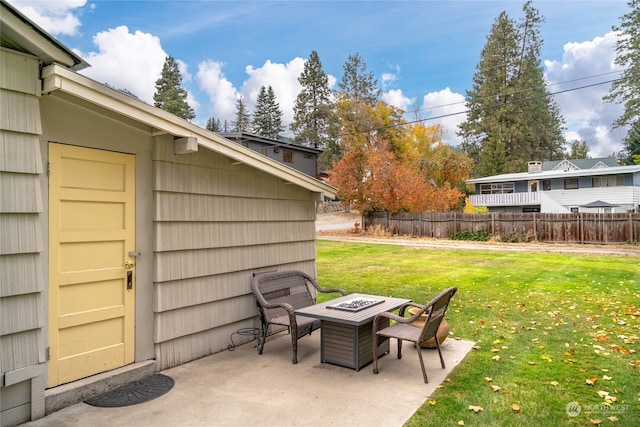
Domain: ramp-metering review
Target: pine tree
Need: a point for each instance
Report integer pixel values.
(169, 95)
(626, 90)
(213, 125)
(485, 132)
(357, 84)
(578, 150)
(267, 117)
(313, 120)
(632, 145)
(512, 119)
(243, 117)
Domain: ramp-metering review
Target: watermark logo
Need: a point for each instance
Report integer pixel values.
(573, 409)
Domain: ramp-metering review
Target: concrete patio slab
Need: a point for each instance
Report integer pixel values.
(240, 387)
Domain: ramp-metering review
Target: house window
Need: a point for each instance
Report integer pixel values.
(546, 185)
(607, 181)
(287, 156)
(308, 156)
(571, 184)
(500, 188)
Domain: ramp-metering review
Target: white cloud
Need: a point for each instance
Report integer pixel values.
(447, 109)
(221, 92)
(283, 78)
(588, 117)
(397, 99)
(125, 60)
(55, 17)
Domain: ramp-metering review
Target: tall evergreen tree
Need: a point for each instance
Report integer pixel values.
(485, 133)
(313, 119)
(541, 126)
(243, 117)
(626, 90)
(578, 150)
(512, 119)
(357, 83)
(213, 125)
(169, 95)
(267, 116)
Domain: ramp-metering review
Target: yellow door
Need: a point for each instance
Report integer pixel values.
(91, 274)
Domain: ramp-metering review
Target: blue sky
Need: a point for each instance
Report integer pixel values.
(423, 53)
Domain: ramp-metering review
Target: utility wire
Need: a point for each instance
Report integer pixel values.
(520, 91)
(488, 107)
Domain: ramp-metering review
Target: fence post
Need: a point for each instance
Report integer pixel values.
(455, 222)
(493, 223)
(535, 235)
(581, 229)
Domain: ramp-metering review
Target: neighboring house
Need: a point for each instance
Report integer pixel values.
(297, 156)
(128, 236)
(586, 185)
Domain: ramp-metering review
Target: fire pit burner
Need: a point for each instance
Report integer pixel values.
(356, 304)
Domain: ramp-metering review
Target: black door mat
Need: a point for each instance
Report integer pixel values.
(136, 392)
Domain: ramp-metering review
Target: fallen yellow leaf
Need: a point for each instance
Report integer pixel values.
(461, 423)
(488, 379)
(515, 407)
(591, 381)
(496, 358)
(476, 409)
(432, 402)
(595, 422)
(495, 388)
(531, 362)
(554, 383)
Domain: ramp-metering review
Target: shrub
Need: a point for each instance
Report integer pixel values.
(479, 236)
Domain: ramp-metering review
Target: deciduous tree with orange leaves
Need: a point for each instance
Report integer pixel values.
(397, 167)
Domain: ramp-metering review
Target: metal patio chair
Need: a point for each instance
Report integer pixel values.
(402, 330)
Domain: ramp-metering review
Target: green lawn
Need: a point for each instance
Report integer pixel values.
(550, 329)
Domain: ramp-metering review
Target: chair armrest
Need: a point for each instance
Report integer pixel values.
(404, 306)
(270, 305)
(330, 291)
(399, 318)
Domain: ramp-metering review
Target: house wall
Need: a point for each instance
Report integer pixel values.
(522, 187)
(203, 226)
(69, 122)
(22, 283)
(215, 224)
(304, 162)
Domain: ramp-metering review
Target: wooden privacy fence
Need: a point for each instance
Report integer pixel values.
(600, 228)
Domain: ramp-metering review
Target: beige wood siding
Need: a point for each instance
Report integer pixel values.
(22, 348)
(215, 224)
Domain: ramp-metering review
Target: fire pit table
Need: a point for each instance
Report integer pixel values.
(346, 336)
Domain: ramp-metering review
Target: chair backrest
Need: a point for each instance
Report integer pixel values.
(291, 287)
(436, 309)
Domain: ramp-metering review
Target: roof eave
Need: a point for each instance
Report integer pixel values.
(26, 36)
(58, 78)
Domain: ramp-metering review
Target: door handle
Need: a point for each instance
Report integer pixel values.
(128, 264)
